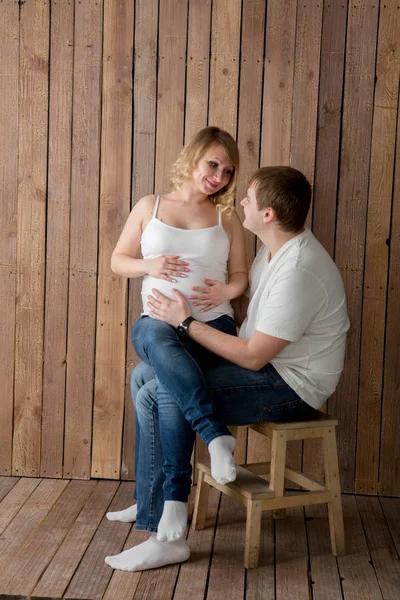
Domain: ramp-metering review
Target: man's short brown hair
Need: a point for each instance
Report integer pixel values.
(287, 191)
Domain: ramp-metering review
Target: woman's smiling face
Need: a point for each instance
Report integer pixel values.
(213, 171)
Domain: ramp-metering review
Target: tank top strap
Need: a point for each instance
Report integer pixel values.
(219, 217)
(156, 206)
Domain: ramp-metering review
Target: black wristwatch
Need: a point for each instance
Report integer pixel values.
(183, 327)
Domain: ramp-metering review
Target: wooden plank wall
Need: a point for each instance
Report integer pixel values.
(96, 100)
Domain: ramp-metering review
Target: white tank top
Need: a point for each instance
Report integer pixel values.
(206, 250)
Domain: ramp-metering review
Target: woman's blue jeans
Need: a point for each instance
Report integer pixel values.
(179, 387)
(239, 397)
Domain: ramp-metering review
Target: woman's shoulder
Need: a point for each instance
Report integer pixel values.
(148, 201)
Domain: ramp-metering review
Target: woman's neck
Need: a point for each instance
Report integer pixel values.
(188, 194)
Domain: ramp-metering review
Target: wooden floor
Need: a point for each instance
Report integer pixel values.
(54, 537)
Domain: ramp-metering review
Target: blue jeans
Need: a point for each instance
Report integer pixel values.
(239, 396)
(179, 386)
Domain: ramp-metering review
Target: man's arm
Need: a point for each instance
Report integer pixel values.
(252, 354)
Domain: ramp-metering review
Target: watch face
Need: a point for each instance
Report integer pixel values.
(181, 330)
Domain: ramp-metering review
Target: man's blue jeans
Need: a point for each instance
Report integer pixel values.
(179, 386)
(239, 396)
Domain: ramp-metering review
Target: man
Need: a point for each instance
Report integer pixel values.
(285, 363)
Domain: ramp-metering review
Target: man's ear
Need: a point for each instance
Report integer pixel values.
(269, 215)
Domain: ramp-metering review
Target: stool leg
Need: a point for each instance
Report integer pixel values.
(332, 482)
(200, 503)
(278, 459)
(253, 532)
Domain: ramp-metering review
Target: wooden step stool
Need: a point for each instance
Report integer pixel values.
(257, 495)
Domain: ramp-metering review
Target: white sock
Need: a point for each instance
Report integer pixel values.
(222, 464)
(128, 515)
(172, 525)
(150, 555)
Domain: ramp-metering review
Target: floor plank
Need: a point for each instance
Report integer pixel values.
(356, 571)
(25, 524)
(260, 583)
(292, 557)
(61, 569)
(32, 559)
(60, 534)
(193, 574)
(16, 498)
(391, 509)
(325, 579)
(6, 484)
(382, 549)
(159, 584)
(93, 575)
(123, 584)
(227, 573)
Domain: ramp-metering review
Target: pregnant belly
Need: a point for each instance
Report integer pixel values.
(184, 286)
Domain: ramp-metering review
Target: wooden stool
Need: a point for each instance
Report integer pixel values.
(255, 493)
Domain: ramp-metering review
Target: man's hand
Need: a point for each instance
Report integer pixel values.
(169, 311)
(213, 294)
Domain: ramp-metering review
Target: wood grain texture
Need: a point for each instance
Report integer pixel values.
(62, 567)
(192, 575)
(315, 80)
(383, 551)
(9, 78)
(328, 124)
(391, 508)
(325, 578)
(31, 228)
(389, 464)
(93, 575)
(115, 181)
(291, 556)
(227, 570)
(260, 582)
(278, 82)
(250, 98)
(143, 170)
(83, 238)
(170, 92)
(6, 484)
(21, 575)
(57, 230)
(327, 157)
(352, 211)
(377, 249)
(355, 569)
(15, 499)
(224, 68)
(305, 87)
(198, 67)
(25, 523)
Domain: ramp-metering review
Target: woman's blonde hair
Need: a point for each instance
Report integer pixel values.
(193, 151)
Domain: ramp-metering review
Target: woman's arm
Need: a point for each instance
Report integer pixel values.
(240, 306)
(238, 279)
(124, 259)
(216, 292)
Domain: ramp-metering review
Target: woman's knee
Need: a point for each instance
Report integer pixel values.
(152, 331)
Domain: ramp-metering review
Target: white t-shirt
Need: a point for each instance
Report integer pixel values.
(299, 296)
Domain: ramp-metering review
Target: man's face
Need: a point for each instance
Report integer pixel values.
(254, 218)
